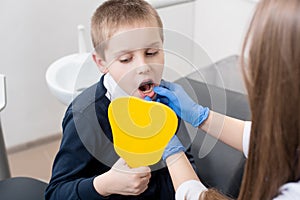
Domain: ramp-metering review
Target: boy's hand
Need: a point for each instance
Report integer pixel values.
(121, 179)
(176, 98)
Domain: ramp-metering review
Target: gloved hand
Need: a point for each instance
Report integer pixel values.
(173, 147)
(176, 98)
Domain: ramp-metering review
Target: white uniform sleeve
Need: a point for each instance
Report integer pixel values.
(289, 191)
(190, 190)
(246, 138)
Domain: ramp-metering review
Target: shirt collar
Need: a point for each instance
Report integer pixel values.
(113, 89)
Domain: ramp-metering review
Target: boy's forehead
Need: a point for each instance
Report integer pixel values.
(129, 40)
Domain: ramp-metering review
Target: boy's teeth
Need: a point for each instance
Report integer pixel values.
(146, 87)
(149, 89)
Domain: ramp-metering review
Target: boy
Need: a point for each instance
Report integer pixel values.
(127, 36)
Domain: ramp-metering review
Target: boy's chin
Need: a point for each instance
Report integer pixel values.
(152, 95)
(136, 94)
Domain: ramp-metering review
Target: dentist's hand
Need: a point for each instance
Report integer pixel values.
(176, 98)
(173, 147)
(121, 179)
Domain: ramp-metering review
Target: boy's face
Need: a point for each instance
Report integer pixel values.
(135, 59)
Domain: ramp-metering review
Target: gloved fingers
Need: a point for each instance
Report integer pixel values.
(169, 85)
(147, 98)
(176, 87)
(162, 99)
(159, 99)
(164, 84)
(165, 92)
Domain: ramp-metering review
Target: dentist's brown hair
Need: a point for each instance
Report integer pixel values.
(272, 76)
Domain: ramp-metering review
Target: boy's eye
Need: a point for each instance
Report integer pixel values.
(152, 52)
(125, 59)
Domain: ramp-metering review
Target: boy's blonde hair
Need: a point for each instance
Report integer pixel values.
(114, 14)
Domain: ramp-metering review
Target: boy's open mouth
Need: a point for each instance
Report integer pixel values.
(146, 88)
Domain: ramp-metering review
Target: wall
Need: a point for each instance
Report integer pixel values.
(220, 25)
(34, 33)
(178, 23)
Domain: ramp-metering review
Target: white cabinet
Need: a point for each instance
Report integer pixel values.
(178, 21)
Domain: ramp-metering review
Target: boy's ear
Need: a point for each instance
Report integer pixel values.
(100, 63)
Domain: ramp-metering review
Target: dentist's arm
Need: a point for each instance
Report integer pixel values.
(185, 180)
(180, 169)
(229, 130)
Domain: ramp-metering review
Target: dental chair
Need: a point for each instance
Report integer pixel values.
(218, 165)
(15, 188)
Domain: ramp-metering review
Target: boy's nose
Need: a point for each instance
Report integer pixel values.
(142, 66)
(141, 69)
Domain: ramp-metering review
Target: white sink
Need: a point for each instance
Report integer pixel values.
(69, 76)
(2, 92)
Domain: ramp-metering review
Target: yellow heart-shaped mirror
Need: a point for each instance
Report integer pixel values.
(141, 129)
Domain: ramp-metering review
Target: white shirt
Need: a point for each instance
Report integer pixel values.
(246, 137)
(191, 190)
(113, 89)
(289, 191)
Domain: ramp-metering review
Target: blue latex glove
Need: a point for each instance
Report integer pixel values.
(147, 98)
(173, 147)
(176, 98)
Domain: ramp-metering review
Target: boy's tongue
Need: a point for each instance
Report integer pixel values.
(150, 94)
(146, 89)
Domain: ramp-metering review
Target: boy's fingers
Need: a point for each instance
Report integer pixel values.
(121, 165)
(145, 175)
(141, 170)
